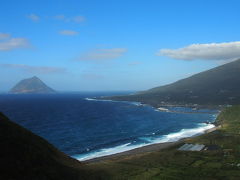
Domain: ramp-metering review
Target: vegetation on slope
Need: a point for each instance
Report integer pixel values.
(217, 86)
(222, 162)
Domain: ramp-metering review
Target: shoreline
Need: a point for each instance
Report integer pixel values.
(147, 148)
(136, 151)
(122, 98)
(159, 106)
(151, 147)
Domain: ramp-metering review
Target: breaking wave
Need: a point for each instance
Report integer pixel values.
(144, 141)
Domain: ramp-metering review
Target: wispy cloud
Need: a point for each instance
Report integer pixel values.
(78, 19)
(34, 69)
(8, 43)
(34, 17)
(4, 36)
(75, 19)
(212, 51)
(103, 54)
(68, 33)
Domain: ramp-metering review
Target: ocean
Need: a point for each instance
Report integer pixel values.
(85, 128)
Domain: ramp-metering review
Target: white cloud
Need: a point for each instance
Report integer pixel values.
(75, 19)
(212, 51)
(4, 35)
(68, 32)
(104, 54)
(8, 43)
(34, 69)
(34, 17)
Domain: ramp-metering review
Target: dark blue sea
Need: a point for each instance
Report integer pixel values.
(85, 128)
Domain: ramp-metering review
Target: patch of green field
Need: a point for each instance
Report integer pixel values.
(170, 163)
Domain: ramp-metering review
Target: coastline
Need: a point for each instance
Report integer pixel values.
(160, 104)
(163, 106)
(220, 154)
(136, 151)
(151, 147)
(146, 149)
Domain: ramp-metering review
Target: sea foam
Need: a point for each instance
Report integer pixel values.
(92, 99)
(172, 137)
(108, 100)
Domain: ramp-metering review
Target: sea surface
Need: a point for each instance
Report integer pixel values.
(85, 128)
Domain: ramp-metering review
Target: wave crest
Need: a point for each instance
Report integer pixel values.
(172, 137)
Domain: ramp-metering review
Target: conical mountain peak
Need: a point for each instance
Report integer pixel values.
(32, 85)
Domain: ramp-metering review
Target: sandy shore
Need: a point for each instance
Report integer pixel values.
(145, 149)
(212, 129)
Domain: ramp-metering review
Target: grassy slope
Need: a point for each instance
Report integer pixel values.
(172, 164)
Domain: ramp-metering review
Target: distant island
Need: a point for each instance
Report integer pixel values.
(217, 86)
(32, 85)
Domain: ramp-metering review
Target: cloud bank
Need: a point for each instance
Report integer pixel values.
(212, 51)
(8, 43)
(34, 69)
(104, 54)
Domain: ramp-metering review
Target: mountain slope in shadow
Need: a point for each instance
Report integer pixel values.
(26, 156)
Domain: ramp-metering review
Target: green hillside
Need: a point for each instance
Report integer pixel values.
(220, 85)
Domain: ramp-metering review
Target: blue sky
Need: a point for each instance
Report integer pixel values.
(115, 45)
